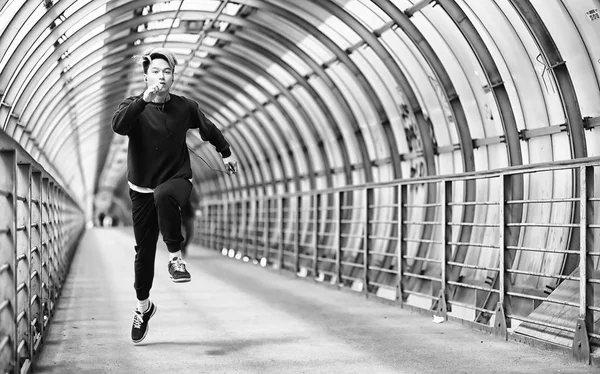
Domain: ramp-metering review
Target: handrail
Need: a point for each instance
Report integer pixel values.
(40, 224)
(490, 173)
(365, 238)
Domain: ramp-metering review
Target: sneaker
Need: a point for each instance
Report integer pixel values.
(140, 323)
(178, 272)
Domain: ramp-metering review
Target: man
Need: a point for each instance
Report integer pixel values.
(159, 172)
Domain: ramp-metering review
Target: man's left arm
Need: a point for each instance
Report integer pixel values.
(211, 133)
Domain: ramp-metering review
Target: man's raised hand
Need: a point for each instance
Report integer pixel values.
(152, 91)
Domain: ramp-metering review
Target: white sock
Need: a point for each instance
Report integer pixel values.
(143, 305)
(172, 255)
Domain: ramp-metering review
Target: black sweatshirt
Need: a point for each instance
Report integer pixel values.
(157, 148)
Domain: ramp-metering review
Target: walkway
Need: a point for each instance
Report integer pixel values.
(238, 318)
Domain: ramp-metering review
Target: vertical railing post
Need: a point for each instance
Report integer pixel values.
(44, 253)
(317, 203)
(14, 265)
(281, 226)
(246, 238)
(368, 197)
(338, 236)
(446, 227)
(36, 259)
(267, 227)
(223, 215)
(500, 325)
(224, 219)
(52, 248)
(257, 220)
(585, 323)
(297, 234)
(210, 222)
(231, 222)
(23, 309)
(8, 274)
(216, 211)
(402, 217)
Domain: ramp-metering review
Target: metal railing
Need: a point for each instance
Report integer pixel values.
(39, 227)
(519, 267)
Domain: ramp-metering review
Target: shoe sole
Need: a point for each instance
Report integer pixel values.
(181, 280)
(147, 327)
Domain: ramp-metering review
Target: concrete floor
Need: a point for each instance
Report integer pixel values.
(239, 318)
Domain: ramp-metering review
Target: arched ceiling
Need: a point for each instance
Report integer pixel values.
(311, 94)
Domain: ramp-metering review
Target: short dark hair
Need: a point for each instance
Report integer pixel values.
(158, 53)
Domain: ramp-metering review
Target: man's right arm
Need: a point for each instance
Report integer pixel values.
(127, 114)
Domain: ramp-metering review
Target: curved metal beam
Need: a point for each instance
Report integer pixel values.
(55, 106)
(343, 58)
(118, 81)
(266, 141)
(568, 98)
(302, 81)
(281, 39)
(256, 172)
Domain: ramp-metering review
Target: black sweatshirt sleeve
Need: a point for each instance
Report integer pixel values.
(210, 132)
(127, 114)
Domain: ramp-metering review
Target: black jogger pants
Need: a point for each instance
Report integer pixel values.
(155, 213)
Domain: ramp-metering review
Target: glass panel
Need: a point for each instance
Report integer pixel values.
(84, 38)
(564, 19)
(299, 36)
(362, 108)
(316, 116)
(367, 13)
(232, 9)
(86, 20)
(481, 16)
(7, 13)
(255, 93)
(15, 42)
(184, 38)
(340, 119)
(267, 85)
(281, 75)
(427, 89)
(75, 7)
(236, 108)
(159, 25)
(243, 99)
(286, 55)
(204, 5)
(262, 170)
(155, 39)
(290, 136)
(228, 113)
(209, 40)
(275, 70)
(551, 113)
(315, 50)
(459, 62)
(339, 33)
(278, 144)
(180, 52)
(385, 87)
(307, 136)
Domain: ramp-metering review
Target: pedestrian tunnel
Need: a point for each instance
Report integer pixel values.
(439, 156)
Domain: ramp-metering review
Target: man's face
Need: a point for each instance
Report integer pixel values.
(159, 71)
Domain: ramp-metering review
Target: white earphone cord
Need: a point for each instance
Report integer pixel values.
(207, 164)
